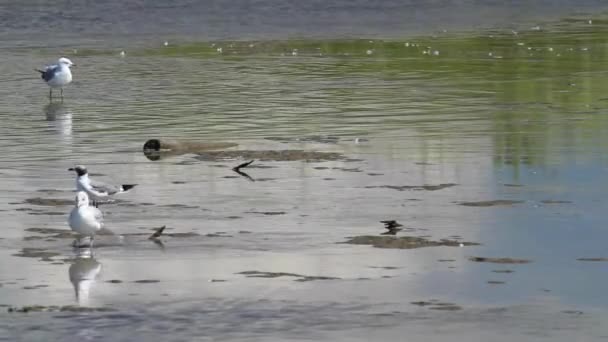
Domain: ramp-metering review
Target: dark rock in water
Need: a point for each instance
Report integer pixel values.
(490, 203)
(500, 260)
(414, 187)
(114, 281)
(50, 202)
(404, 242)
(446, 307)
(147, 281)
(573, 312)
(179, 206)
(495, 282)
(434, 304)
(217, 235)
(555, 202)
(503, 271)
(35, 287)
(270, 213)
(346, 169)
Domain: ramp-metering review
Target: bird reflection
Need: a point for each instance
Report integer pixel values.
(83, 274)
(60, 118)
(57, 111)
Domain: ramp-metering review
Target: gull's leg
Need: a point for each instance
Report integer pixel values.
(61, 94)
(91, 244)
(78, 242)
(50, 94)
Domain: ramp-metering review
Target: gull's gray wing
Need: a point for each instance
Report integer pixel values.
(104, 187)
(50, 72)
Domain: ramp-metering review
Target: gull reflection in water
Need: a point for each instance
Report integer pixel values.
(60, 118)
(83, 274)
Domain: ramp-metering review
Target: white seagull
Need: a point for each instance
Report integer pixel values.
(84, 219)
(96, 190)
(57, 75)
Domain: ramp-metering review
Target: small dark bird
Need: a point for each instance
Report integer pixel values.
(238, 168)
(157, 233)
(392, 227)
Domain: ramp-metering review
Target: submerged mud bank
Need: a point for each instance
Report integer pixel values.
(271, 155)
(298, 277)
(155, 149)
(405, 242)
(492, 203)
(500, 260)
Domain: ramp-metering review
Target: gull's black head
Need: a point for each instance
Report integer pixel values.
(80, 170)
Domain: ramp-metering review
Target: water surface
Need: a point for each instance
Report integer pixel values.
(504, 115)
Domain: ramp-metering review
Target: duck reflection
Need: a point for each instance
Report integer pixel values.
(83, 274)
(60, 118)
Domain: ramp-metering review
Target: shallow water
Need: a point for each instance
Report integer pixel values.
(505, 116)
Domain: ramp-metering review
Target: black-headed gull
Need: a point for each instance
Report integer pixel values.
(96, 190)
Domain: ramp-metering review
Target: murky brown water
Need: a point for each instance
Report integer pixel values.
(489, 138)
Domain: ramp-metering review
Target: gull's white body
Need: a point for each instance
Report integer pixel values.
(84, 219)
(57, 75)
(61, 78)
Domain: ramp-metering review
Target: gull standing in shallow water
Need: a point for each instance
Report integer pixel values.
(57, 75)
(96, 190)
(84, 219)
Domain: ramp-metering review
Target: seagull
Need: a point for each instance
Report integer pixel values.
(57, 75)
(84, 219)
(96, 190)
